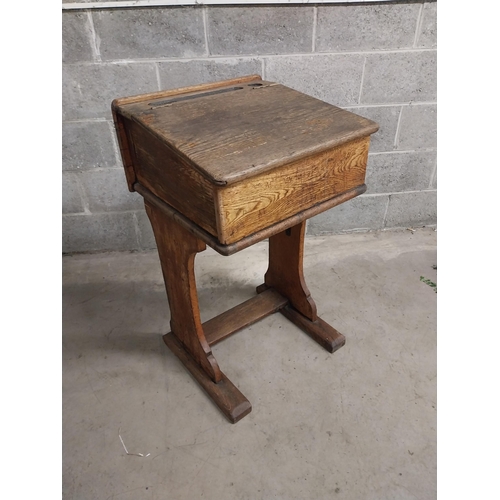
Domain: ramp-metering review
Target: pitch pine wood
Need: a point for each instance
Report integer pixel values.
(241, 133)
(286, 275)
(286, 269)
(117, 103)
(124, 144)
(255, 203)
(177, 249)
(229, 164)
(255, 237)
(239, 156)
(119, 113)
(243, 315)
(320, 331)
(170, 177)
(233, 404)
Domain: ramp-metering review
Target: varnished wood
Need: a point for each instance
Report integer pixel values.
(177, 249)
(253, 204)
(124, 145)
(229, 164)
(224, 394)
(170, 177)
(320, 331)
(243, 315)
(286, 275)
(253, 238)
(286, 269)
(183, 90)
(240, 156)
(243, 133)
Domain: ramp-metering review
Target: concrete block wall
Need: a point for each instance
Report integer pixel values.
(378, 60)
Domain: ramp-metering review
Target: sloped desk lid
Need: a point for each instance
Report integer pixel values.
(232, 132)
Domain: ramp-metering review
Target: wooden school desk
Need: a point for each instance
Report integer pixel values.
(229, 164)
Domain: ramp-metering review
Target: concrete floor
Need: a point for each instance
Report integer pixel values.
(358, 424)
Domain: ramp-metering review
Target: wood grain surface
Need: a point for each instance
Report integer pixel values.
(251, 239)
(241, 156)
(124, 142)
(231, 163)
(172, 178)
(233, 404)
(117, 103)
(255, 128)
(253, 204)
(286, 269)
(319, 330)
(243, 315)
(177, 249)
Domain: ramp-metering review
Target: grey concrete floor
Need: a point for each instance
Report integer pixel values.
(356, 424)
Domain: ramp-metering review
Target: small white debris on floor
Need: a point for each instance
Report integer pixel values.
(127, 452)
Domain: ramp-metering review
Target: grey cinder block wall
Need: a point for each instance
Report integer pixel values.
(378, 60)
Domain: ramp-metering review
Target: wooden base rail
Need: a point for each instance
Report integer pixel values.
(233, 404)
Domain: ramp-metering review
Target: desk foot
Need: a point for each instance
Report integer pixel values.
(320, 331)
(224, 393)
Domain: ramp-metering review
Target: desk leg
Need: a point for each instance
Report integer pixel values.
(286, 275)
(177, 249)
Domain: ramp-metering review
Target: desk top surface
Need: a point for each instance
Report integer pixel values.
(234, 131)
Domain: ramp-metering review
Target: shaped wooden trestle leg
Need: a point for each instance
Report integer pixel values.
(286, 275)
(177, 249)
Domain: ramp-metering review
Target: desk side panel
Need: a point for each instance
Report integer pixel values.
(253, 204)
(170, 178)
(124, 145)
